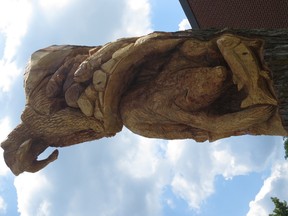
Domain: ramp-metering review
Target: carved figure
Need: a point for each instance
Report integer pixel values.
(159, 85)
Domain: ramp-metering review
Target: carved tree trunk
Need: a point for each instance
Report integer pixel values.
(132, 82)
(275, 56)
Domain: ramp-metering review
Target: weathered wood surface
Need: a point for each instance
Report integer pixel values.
(275, 55)
(203, 85)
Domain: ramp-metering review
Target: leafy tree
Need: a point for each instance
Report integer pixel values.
(281, 208)
(286, 147)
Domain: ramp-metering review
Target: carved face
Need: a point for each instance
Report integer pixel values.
(27, 141)
(47, 121)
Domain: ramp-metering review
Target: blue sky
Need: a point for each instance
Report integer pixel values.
(126, 174)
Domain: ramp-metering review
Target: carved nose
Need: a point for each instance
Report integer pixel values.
(6, 144)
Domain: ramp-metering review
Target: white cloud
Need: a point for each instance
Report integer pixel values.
(190, 161)
(195, 165)
(141, 162)
(136, 19)
(50, 5)
(32, 190)
(170, 203)
(184, 25)
(9, 72)
(44, 209)
(5, 128)
(274, 186)
(14, 18)
(3, 206)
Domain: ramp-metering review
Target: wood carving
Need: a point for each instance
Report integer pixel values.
(163, 85)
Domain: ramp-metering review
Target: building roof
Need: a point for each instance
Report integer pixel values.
(236, 13)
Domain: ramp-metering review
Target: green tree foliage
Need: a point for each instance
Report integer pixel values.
(286, 147)
(281, 208)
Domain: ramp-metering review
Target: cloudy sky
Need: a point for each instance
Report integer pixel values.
(126, 174)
